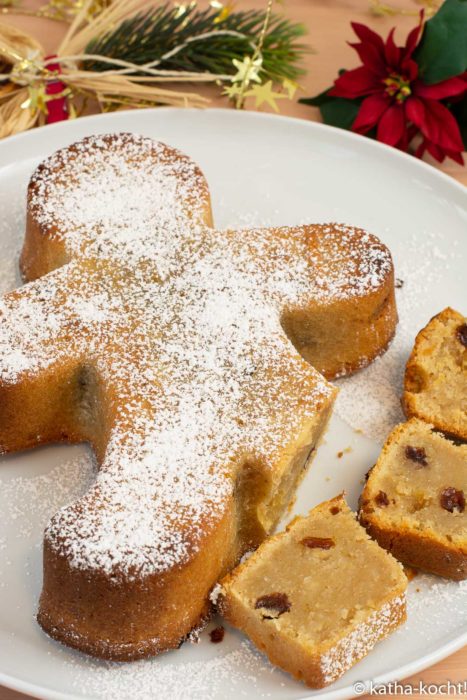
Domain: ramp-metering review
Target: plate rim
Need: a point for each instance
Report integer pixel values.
(364, 141)
(8, 146)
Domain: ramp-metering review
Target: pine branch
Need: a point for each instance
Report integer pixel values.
(150, 35)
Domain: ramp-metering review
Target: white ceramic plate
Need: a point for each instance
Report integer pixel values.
(262, 170)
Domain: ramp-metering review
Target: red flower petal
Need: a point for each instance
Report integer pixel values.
(415, 111)
(412, 37)
(372, 58)
(446, 88)
(455, 156)
(391, 127)
(439, 153)
(371, 111)
(435, 122)
(398, 122)
(368, 36)
(434, 150)
(412, 131)
(441, 127)
(392, 52)
(421, 148)
(355, 83)
(409, 69)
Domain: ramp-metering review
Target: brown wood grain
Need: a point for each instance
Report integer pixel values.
(328, 31)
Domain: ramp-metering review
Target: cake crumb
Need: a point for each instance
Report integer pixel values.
(343, 452)
(217, 634)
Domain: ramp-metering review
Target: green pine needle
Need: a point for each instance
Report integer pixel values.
(149, 35)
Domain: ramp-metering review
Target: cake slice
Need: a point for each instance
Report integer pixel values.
(317, 597)
(435, 385)
(413, 503)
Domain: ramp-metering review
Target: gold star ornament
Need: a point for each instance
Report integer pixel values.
(264, 94)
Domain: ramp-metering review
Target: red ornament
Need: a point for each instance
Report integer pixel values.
(397, 101)
(57, 109)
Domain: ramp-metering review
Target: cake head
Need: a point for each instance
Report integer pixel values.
(180, 353)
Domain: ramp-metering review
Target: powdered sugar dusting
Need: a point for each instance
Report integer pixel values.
(12, 222)
(208, 678)
(370, 400)
(186, 417)
(361, 640)
(215, 593)
(428, 599)
(126, 190)
(181, 325)
(44, 493)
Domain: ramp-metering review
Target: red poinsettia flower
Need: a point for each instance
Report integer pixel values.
(397, 101)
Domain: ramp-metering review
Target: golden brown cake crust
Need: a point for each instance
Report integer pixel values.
(150, 335)
(160, 609)
(413, 538)
(435, 382)
(421, 552)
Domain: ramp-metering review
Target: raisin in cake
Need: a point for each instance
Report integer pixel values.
(182, 354)
(435, 386)
(317, 597)
(413, 503)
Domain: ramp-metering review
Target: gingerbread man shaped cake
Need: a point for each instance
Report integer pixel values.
(194, 362)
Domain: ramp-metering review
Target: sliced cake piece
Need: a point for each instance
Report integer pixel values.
(413, 503)
(303, 599)
(435, 385)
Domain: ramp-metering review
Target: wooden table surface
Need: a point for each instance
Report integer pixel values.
(328, 31)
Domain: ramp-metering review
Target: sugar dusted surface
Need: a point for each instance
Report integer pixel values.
(181, 325)
(361, 640)
(370, 399)
(182, 417)
(128, 191)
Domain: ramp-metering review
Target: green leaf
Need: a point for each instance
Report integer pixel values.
(442, 52)
(340, 112)
(459, 111)
(336, 111)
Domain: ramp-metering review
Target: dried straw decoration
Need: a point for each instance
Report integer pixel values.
(26, 74)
